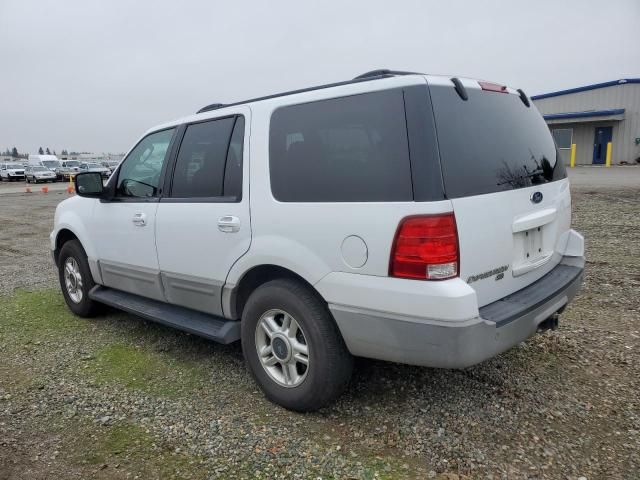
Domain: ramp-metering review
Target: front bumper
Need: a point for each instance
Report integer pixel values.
(441, 344)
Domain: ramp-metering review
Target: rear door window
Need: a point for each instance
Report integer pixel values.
(349, 149)
(492, 143)
(209, 162)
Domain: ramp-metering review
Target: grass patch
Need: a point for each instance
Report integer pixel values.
(128, 449)
(120, 440)
(139, 369)
(31, 315)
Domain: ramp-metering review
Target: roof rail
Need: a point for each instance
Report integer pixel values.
(384, 72)
(365, 77)
(213, 106)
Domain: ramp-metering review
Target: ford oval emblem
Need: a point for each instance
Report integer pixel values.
(536, 197)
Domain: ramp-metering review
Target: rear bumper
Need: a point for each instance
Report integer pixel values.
(443, 344)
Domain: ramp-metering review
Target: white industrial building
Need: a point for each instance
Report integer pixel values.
(593, 116)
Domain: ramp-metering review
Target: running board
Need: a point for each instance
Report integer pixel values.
(204, 325)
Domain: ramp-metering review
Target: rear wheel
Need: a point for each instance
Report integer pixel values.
(76, 280)
(293, 347)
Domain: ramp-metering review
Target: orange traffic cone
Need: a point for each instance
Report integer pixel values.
(70, 189)
(44, 189)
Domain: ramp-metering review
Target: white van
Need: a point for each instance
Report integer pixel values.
(49, 161)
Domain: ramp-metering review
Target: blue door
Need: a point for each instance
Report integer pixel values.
(602, 137)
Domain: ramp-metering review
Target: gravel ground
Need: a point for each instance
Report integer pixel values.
(116, 397)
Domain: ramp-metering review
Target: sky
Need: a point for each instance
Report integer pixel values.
(92, 76)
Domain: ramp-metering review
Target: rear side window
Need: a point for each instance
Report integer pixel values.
(492, 143)
(349, 149)
(208, 150)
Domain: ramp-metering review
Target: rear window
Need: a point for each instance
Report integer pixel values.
(492, 143)
(349, 149)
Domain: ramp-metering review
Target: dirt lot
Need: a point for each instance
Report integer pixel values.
(115, 397)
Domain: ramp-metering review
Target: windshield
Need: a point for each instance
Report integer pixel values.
(94, 165)
(72, 163)
(50, 163)
(492, 142)
(39, 169)
(14, 165)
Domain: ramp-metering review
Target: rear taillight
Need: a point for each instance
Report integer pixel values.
(426, 248)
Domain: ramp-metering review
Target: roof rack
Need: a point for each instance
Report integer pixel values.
(384, 73)
(365, 77)
(213, 106)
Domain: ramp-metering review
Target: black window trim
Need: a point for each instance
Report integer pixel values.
(112, 184)
(168, 182)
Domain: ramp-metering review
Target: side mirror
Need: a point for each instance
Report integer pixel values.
(89, 184)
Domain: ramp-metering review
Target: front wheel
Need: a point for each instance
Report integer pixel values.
(76, 280)
(293, 347)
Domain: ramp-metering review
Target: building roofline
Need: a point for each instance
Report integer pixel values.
(591, 113)
(594, 86)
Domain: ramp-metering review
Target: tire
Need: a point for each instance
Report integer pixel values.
(81, 305)
(329, 362)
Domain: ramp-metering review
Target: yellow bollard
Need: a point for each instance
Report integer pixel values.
(573, 155)
(608, 160)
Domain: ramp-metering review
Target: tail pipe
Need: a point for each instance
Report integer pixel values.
(550, 323)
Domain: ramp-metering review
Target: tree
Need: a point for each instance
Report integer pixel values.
(48, 151)
(40, 151)
(54, 152)
(14, 152)
(64, 152)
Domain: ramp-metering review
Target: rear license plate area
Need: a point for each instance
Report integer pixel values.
(529, 251)
(531, 245)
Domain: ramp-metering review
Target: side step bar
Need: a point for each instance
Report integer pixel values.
(204, 325)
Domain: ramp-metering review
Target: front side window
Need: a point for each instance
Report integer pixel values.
(209, 162)
(350, 149)
(139, 175)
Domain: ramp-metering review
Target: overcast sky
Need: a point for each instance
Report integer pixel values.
(93, 75)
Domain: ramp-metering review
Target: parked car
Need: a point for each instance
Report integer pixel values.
(411, 218)
(49, 161)
(95, 167)
(39, 173)
(67, 169)
(11, 171)
(110, 164)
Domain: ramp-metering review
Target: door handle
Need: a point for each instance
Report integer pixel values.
(229, 224)
(139, 219)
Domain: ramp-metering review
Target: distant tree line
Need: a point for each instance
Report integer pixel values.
(15, 154)
(47, 151)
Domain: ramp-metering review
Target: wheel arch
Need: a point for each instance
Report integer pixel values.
(63, 236)
(235, 298)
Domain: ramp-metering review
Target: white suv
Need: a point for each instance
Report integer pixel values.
(405, 217)
(11, 171)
